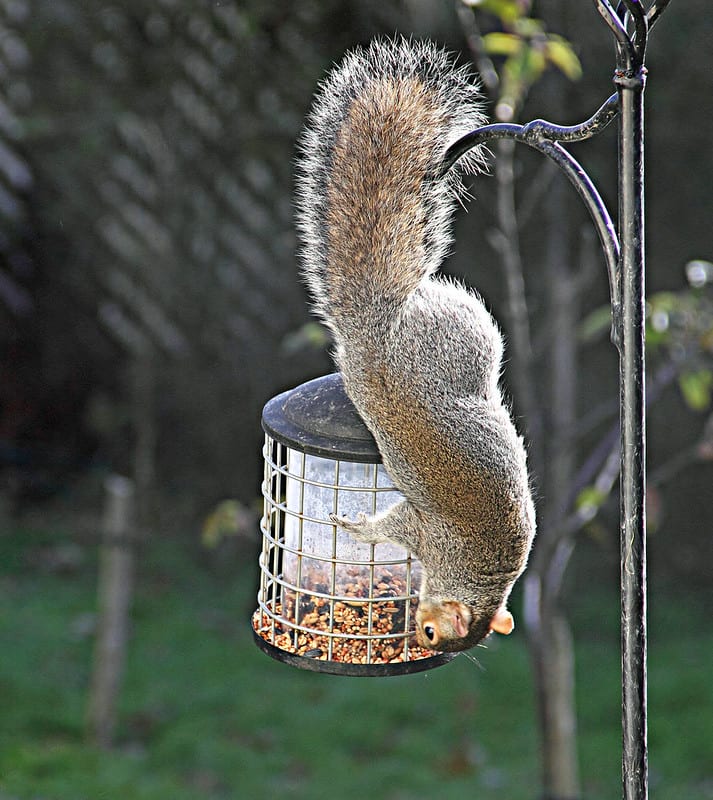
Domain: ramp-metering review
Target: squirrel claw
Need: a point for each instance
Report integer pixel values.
(359, 529)
(347, 524)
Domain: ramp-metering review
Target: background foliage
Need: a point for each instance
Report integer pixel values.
(146, 184)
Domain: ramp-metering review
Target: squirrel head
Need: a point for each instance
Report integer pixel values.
(451, 626)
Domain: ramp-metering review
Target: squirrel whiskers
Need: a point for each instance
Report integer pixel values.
(420, 355)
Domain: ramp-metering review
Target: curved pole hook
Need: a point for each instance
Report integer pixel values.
(546, 138)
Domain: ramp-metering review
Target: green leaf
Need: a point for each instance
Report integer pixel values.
(502, 44)
(221, 522)
(590, 499)
(311, 335)
(529, 28)
(507, 11)
(595, 325)
(663, 301)
(533, 65)
(559, 52)
(696, 388)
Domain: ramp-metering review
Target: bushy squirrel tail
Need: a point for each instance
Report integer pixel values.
(372, 212)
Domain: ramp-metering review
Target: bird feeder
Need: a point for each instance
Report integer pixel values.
(326, 602)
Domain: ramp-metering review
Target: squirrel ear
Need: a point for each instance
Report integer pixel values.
(502, 622)
(460, 625)
(459, 617)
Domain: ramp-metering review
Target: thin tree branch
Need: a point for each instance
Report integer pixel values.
(474, 40)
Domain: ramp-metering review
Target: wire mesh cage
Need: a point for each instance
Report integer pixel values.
(327, 602)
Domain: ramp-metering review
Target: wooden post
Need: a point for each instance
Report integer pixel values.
(114, 598)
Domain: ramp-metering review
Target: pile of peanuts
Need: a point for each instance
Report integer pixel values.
(381, 635)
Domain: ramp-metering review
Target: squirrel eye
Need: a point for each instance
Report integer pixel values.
(430, 632)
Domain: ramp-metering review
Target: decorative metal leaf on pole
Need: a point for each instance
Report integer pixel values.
(630, 22)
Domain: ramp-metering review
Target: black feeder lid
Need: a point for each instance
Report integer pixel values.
(318, 418)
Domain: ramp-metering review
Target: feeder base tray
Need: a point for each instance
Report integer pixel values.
(318, 664)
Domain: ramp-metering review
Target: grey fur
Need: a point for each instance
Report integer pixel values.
(420, 355)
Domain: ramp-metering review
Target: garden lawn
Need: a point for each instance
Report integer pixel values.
(204, 714)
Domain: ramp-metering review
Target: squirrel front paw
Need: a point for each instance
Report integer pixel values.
(347, 524)
(360, 528)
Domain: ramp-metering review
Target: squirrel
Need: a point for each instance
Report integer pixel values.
(419, 354)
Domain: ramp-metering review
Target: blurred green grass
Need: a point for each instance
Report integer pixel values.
(204, 714)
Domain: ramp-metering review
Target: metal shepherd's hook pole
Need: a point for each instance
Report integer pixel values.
(630, 78)
(630, 23)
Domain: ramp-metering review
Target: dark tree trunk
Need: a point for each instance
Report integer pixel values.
(550, 637)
